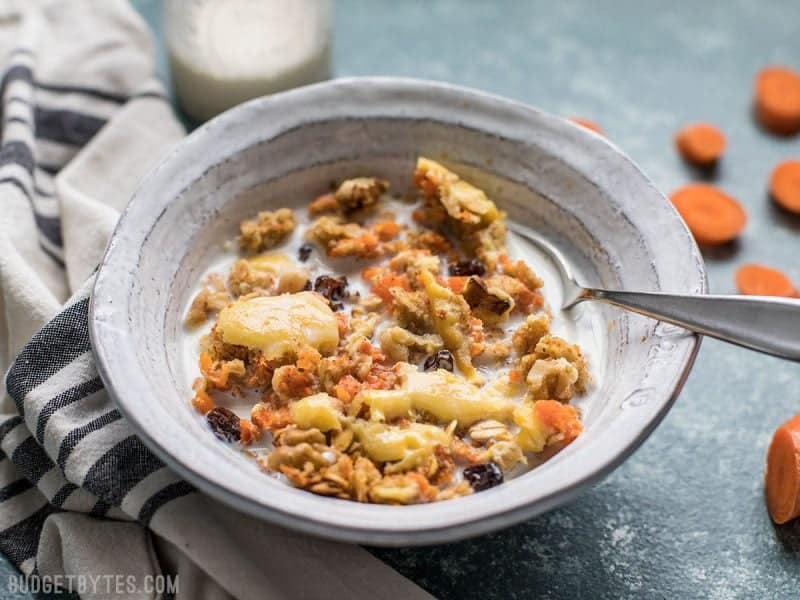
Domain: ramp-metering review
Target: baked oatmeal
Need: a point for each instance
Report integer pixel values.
(431, 374)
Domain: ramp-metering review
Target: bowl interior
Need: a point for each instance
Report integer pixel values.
(572, 186)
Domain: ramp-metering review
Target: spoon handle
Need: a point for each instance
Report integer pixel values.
(767, 324)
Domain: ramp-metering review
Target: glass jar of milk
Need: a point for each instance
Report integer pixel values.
(223, 52)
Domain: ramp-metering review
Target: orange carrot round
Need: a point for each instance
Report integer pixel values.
(782, 482)
(590, 125)
(784, 185)
(777, 99)
(711, 215)
(759, 280)
(700, 144)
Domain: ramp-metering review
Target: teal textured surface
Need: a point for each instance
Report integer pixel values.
(684, 517)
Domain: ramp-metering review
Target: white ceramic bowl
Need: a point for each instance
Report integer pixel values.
(570, 184)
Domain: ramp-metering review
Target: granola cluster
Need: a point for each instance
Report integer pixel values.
(437, 383)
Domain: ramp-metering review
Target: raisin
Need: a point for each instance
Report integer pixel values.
(304, 252)
(485, 476)
(333, 288)
(465, 268)
(224, 423)
(441, 360)
(307, 287)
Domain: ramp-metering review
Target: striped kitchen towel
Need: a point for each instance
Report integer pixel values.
(80, 495)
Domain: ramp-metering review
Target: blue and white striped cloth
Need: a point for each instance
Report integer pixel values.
(80, 494)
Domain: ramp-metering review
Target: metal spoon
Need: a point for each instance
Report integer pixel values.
(764, 323)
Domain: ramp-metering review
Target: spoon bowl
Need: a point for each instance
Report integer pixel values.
(572, 291)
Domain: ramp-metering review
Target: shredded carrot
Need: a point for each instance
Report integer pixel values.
(380, 377)
(386, 230)
(258, 371)
(777, 99)
(590, 125)
(383, 285)
(308, 358)
(323, 203)
(782, 480)
(347, 388)
(249, 432)
(561, 417)
(700, 144)
(199, 384)
(463, 451)
(529, 301)
(427, 492)
(712, 216)
(371, 273)
(514, 376)
(370, 241)
(759, 280)
(784, 185)
(202, 402)
(218, 377)
(205, 362)
(343, 321)
(266, 417)
(477, 337)
(457, 283)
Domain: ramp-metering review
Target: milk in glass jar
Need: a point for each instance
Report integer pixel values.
(223, 52)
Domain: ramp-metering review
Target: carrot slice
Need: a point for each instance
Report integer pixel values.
(759, 280)
(590, 125)
(711, 215)
(777, 99)
(700, 144)
(784, 185)
(782, 482)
